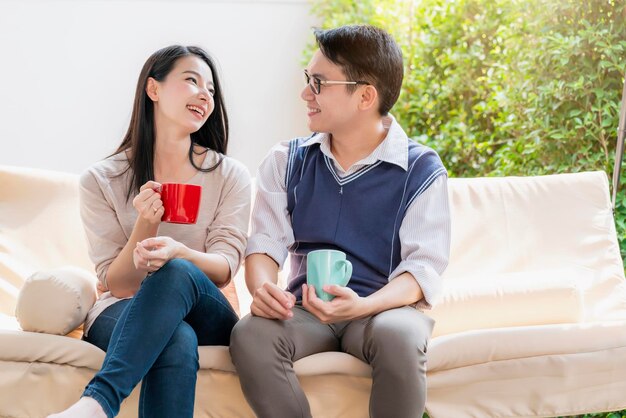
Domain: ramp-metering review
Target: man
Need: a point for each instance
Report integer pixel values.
(357, 185)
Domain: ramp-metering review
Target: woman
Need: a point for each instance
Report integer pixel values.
(162, 280)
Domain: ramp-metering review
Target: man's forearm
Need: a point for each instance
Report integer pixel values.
(260, 268)
(401, 291)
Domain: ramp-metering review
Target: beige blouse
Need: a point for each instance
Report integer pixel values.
(108, 217)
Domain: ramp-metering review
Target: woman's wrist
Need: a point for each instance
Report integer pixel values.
(145, 229)
(183, 252)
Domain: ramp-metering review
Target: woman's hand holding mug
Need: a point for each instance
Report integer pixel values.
(148, 203)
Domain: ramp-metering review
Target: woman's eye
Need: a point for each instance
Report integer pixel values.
(212, 92)
(192, 79)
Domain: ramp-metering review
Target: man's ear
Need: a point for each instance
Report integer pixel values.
(152, 89)
(369, 97)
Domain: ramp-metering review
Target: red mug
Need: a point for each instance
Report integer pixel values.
(181, 202)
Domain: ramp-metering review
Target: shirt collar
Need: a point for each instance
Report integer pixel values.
(394, 149)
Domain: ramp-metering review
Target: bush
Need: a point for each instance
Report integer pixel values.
(506, 87)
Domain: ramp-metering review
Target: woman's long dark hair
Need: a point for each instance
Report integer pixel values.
(139, 139)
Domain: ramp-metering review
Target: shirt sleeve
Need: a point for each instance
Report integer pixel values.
(104, 233)
(425, 241)
(227, 234)
(271, 231)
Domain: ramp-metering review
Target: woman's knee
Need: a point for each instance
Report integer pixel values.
(178, 266)
(177, 272)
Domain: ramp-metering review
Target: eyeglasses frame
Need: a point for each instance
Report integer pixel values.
(319, 82)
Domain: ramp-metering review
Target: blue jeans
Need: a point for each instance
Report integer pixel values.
(154, 338)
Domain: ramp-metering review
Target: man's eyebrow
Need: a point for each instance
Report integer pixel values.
(318, 75)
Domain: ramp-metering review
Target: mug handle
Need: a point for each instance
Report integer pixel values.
(345, 264)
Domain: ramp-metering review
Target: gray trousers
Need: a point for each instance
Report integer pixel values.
(393, 342)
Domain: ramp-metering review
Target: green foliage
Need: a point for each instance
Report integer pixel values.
(618, 414)
(506, 87)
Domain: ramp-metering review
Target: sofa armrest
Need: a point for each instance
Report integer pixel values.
(56, 301)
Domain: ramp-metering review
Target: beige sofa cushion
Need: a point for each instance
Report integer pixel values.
(40, 227)
(532, 224)
(56, 301)
(551, 296)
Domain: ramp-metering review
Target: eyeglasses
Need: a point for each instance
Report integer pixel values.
(316, 84)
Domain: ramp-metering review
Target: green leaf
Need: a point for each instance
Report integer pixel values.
(500, 87)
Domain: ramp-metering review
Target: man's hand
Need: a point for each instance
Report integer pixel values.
(270, 301)
(346, 305)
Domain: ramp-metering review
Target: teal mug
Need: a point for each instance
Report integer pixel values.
(326, 267)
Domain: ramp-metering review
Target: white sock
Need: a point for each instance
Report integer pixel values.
(86, 407)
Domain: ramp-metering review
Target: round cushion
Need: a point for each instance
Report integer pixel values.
(56, 301)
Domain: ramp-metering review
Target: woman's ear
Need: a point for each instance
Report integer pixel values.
(369, 97)
(152, 89)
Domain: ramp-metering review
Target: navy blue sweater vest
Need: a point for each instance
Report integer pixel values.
(359, 214)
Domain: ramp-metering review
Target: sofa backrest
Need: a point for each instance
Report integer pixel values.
(40, 227)
(552, 231)
(508, 234)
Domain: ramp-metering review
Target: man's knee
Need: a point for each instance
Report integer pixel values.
(400, 331)
(249, 332)
(255, 338)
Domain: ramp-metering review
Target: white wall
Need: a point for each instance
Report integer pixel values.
(68, 71)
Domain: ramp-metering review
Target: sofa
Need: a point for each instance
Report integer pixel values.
(532, 322)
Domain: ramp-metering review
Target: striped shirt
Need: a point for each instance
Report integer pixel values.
(424, 232)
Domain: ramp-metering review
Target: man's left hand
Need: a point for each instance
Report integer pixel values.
(346, 305)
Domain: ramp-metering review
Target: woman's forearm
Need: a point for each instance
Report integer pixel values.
(214, 266)
(122, 278)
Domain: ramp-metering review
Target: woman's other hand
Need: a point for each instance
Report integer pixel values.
(151, 254)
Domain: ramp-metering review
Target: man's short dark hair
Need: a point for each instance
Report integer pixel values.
(365, 53)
